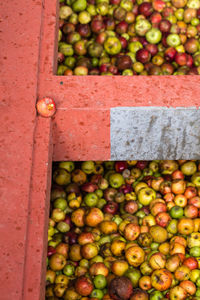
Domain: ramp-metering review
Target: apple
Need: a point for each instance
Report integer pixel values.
(195, 201)
(131, 207)
(117, 247)
(120, 166)
(196, 179)
(98, 268)
(162, 219)
(79, 177)
(173, 263)
(85, 238)
(139, 294)
(57, 192)
(83, 286)
(180, 200)
(191, 263)
(146, 195)
(158, 207)
(89, 187)
(87, 167)
(145, 283)
(63, 249)
(111, 207)
(165, 187)
(61, 177)
(119, 267)
(50, 276)
(189, 168)
(157, 261)
(188, 286)
(193, 240)
(135, 256)
(134, 275)
(194, 275)
(57, 215)
(108, 227)
(57, 262)
(93, 217)
(182, 273)
(131, 231)
(69, 166)
(185, 226)
(116, 180)
(46, 107)
(178, 186)
(191, 211)
(158, 233)
(161, 279)
(178, 292)
(75, 253)
(120, 288)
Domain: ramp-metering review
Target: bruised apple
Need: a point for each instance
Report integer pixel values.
(135, 256)
(120, 288)
(93, 217)
(161, 279)
(83, 286)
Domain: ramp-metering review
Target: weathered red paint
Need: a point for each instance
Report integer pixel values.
(82, 118)
(19, 44)
(37, 227)
(91, 127)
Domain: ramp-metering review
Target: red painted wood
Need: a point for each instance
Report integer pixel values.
(19, 47)
(36, 243)
(81, 134)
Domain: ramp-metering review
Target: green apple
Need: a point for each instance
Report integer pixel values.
(134, 46)
(189, 168)
(79, 5)
(63, 227)
(195, 251)
(146, 195)
(134, 275)
(153, 36)
(194, 275)
(116, 180)
(60, 203)
(176, 212)
(145, 268)
(112, 45)
(142, 26)
(156, 295)
(196, 179)
(67, 165)
(193, 240)
(91, 199)
(172, 226)
(173, 40)
(61, 177)
(87, 167)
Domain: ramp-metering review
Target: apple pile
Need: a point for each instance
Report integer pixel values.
(129, 37)
(124, 230)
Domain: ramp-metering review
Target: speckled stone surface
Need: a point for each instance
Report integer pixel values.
(148, 133)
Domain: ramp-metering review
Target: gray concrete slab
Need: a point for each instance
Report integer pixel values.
(146, 133)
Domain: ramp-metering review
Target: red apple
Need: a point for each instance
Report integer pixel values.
(111, 208)
(46, 107)
(84, 286)
(191, 263)
(120, 166)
